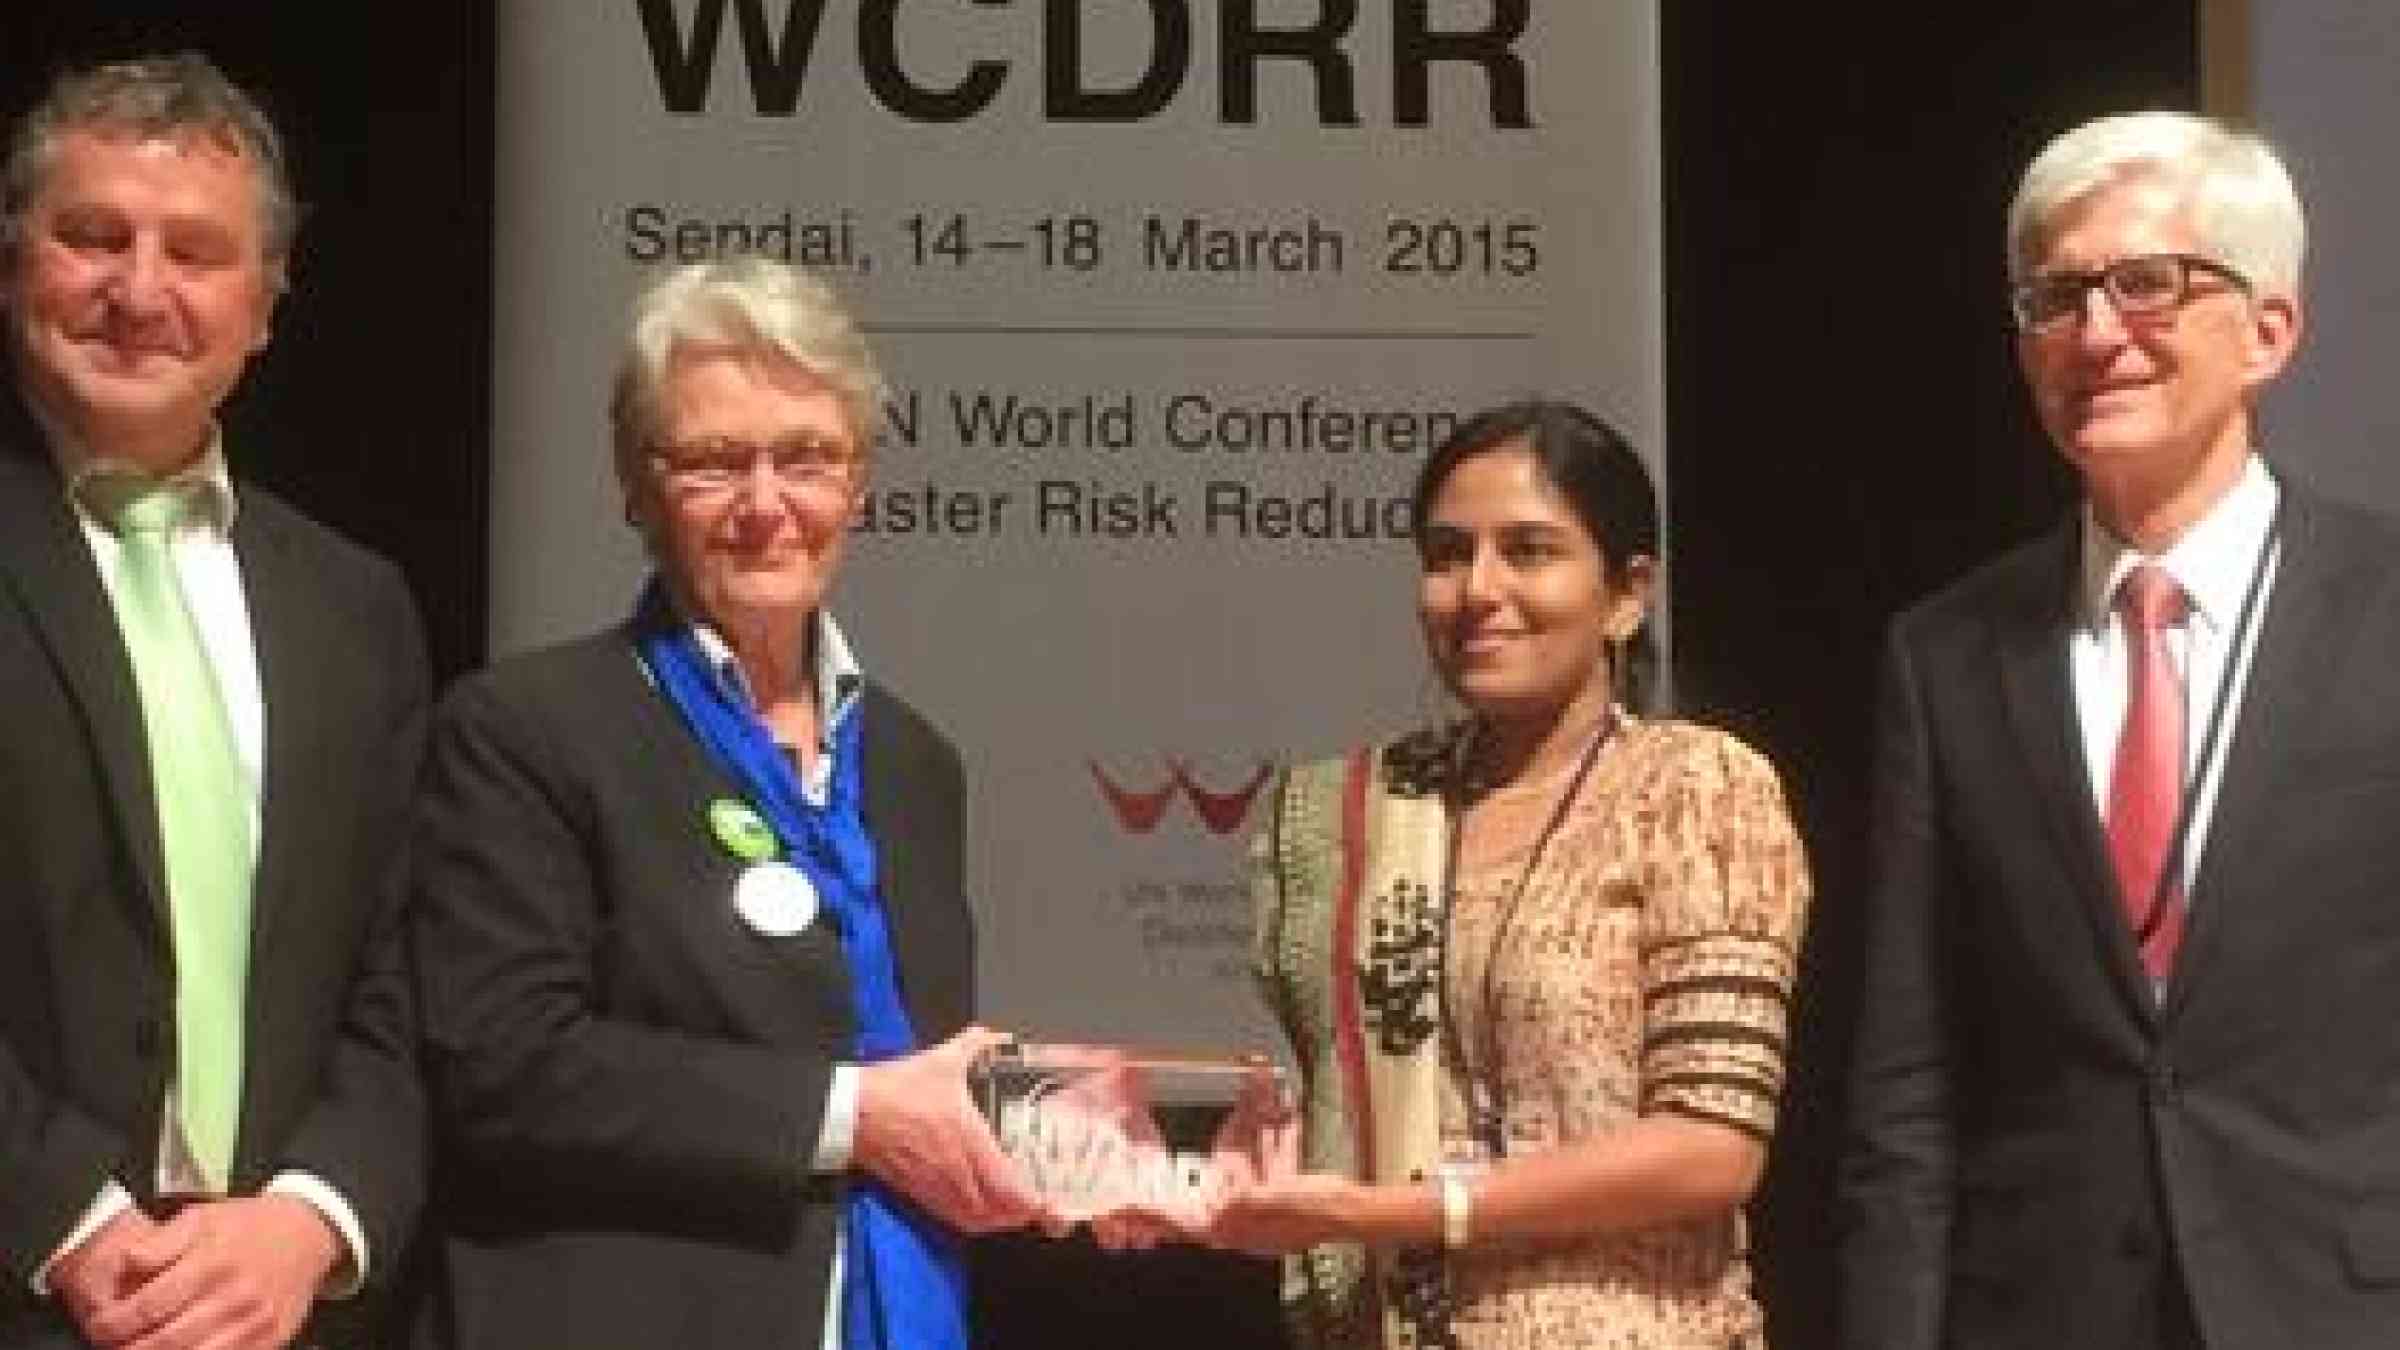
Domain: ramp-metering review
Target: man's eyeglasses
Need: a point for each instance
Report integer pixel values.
(714, 466)
(2143, 285)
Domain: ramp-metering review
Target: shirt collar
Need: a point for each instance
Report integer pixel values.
(839, 677)
(2212, 561)
(206, 476)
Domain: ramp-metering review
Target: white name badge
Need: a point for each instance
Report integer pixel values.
(776, 899)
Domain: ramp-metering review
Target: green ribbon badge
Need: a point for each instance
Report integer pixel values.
(741, 830)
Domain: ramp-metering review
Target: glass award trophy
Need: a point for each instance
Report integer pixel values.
(1099, 1129)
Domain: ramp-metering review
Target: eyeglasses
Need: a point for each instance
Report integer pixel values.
(2143, 285)
(714, 466)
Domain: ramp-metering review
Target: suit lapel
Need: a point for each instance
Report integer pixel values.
(2300, 634)
(46, 562)
(2031, 656)
(289, 641)
(689, 779)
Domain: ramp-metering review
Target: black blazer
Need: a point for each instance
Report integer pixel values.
(2032, 1135)
(629, 1081)
(87, 976)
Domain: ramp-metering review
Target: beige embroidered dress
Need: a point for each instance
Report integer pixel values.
(1642, 965)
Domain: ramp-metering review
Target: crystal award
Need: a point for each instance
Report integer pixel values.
(1097, 1129)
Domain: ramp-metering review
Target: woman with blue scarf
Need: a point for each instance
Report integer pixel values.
(693, 951)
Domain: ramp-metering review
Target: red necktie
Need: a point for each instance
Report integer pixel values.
(2145, 790)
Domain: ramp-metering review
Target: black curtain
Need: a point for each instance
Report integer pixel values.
(1846, 428)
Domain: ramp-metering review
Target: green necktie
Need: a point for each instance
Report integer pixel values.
(204, 815)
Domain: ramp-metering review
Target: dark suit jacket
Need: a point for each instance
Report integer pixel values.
(629, 1080)
(2032, 1134)
(87, 979)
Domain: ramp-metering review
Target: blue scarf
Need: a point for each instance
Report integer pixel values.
(903, 1287)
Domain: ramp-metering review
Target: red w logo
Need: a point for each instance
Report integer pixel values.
(1136, 811)
(1139, 812)
(1221, 812)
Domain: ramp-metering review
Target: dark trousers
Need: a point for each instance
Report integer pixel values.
(2175, 1328)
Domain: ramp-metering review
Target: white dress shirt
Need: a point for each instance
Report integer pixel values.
(210, 576)
(2215, 562)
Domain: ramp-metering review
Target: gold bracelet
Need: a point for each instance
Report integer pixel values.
(1458, 1207)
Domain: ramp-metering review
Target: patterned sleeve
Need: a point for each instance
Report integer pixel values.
(1727, 897)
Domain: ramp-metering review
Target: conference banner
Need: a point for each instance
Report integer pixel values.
(1174, 296)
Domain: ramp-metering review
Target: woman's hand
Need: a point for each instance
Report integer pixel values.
(1287, 1213)
(1258, 1142)
(1261, 1218)
(920, 1133)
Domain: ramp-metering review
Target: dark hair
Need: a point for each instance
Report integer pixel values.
(1594, 468)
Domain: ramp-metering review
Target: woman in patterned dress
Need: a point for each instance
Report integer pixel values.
(1535, 964)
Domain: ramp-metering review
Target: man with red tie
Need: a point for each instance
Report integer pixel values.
(2126, 1072)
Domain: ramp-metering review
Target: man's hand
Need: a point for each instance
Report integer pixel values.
(97, 1273)
(223, 1275)
(920, 1134)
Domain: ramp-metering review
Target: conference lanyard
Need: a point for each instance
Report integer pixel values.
(1485, 1104)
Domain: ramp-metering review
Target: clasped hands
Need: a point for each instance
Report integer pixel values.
(232, 1274)
(920, 1132)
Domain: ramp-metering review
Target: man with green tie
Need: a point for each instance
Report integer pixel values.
(210, 715)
